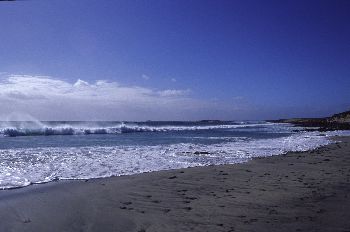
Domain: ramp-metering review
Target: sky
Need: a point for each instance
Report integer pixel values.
(173, 60)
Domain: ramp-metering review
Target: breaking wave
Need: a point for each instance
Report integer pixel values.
(30, 129)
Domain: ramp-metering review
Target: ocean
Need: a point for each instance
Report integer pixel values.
(38, 152)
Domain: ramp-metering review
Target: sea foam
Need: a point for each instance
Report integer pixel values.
(24, 166)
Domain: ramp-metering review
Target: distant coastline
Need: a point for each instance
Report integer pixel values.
(340, 121)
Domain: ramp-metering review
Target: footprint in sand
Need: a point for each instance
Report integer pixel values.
(27, 220)
(127, 203)
(182, 190)
(191, 198)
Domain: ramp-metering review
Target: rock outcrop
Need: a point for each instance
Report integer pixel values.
(339, 121)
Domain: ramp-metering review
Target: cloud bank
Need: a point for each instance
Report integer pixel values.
(47, 98)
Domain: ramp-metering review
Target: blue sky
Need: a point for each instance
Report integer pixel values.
(174, 60)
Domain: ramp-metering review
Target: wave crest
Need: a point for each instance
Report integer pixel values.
(45, 130)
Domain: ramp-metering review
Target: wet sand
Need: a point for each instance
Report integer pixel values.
(307, 191)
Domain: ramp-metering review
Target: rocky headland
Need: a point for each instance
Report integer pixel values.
(339, 121)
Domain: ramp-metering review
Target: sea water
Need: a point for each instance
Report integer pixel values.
(39, 152)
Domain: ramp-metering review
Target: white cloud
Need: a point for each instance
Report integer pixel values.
(81, 84)
(173, 79)
(174, 93)
(238, 98)
(145, 77)
(47, 98)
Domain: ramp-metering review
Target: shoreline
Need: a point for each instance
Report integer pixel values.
(297, 191)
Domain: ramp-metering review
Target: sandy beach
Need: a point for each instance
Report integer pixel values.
(306, 191)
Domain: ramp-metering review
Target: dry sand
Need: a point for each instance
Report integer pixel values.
(307, 191)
